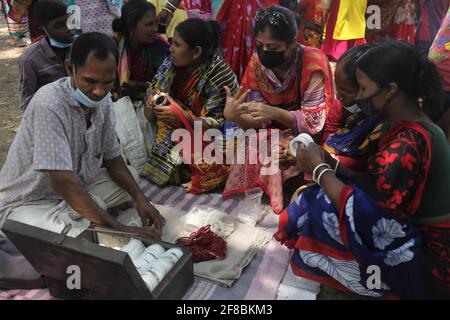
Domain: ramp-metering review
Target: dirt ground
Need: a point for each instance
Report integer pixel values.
(10, 113)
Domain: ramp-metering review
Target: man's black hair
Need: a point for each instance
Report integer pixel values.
(97, 43)
(48, 10)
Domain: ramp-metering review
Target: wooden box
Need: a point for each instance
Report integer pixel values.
(105, 273)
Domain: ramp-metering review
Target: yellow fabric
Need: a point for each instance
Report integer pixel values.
(178, 17)
(351, 20)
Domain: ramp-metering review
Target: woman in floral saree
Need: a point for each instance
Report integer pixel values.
(395, 218)
(288, 88)
(194, 76)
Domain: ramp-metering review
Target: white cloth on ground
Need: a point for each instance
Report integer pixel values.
(199, 216)
(242, 245)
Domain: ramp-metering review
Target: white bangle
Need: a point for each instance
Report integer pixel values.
(318, 167)
(169, 11)
(171, 6)
(321, 174)
(337, 165)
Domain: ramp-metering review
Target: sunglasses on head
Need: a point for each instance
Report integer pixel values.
(275, 18)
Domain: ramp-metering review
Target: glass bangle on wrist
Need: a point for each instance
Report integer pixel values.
(169, 11)
(170, 5)
(321, 174)
(314, 175)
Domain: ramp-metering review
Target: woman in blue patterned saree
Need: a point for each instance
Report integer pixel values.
(385, 231)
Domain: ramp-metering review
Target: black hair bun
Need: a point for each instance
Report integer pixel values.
(216, 33)
(117, 25)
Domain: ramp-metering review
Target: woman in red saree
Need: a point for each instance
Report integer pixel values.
(287, 87)
(236, 18)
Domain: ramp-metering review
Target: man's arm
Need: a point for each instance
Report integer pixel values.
(120, 174)
(66, 184)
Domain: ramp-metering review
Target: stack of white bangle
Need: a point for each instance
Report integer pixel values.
(170, 8)
(134, 248)
(171, 5)
(153, 262)
(327, 169)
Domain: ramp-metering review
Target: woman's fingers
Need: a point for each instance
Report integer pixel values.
(239, 93)
(242, 108)
(228, 91)
(253, 106)
(241, 98)
(258, 118)
(161, 109)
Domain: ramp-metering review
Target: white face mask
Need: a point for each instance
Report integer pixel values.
(352, 109)
(56, 43)
(85, 100)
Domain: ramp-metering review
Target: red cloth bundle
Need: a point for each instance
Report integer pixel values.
(204, 244)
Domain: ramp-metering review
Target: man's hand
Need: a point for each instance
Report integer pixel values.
(145, 231)
(150, 216)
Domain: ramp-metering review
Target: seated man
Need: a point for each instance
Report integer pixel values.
(53, 176)
(43, 61)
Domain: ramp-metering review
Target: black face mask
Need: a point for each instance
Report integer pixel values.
(270, 59)
(366, 106)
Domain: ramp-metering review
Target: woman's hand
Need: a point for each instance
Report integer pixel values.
(261, 111)
(329, 159)
(149, 111)
(134, 89)
(310, 158)
(233, 107)
(164, 18)
(284, 155)
(164, 114)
